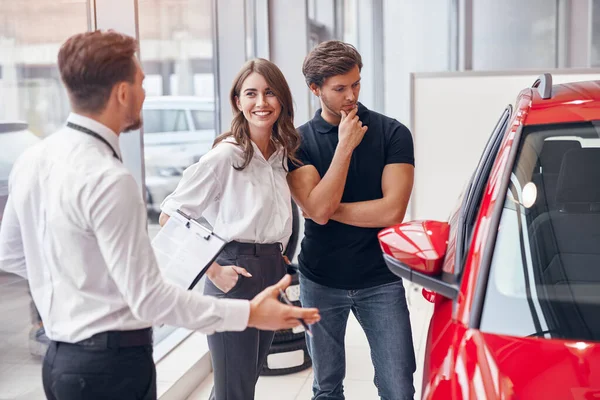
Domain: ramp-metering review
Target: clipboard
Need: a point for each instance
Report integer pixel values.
(185, 250)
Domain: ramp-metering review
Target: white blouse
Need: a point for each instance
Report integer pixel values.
(251, 206)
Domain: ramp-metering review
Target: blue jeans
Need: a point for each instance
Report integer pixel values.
(383, 314)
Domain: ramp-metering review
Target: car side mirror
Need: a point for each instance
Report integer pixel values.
(415, 251)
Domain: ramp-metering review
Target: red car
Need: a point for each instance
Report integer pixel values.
(515, 273)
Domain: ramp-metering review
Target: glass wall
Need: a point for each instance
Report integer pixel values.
(350, 18)
(30, 93)
(176, 46)
(514, 34)
(176, 41)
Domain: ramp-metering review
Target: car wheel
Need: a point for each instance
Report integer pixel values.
(289, 335)
(287, 358)
(293, 291)
(293, 294)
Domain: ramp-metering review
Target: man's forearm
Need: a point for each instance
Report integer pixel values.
(325, 198)
(379, 213)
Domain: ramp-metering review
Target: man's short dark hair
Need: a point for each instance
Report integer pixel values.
(329, 59)
(92, 63)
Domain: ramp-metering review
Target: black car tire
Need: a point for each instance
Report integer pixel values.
(280, 349)
(293, 271)
(287, 335)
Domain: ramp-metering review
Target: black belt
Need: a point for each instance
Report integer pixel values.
(254, 249)
(116, 339)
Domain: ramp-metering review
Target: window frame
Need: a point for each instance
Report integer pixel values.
(472, 199)
(490, 245)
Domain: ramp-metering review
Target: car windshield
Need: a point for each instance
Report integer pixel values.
(545, 274)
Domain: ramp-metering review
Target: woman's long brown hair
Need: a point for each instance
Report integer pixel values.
(283, 133)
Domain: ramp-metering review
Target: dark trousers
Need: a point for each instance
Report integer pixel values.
(74, 372)
(238, 357)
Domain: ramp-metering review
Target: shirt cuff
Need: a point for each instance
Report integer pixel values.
(169, 207)
(237, 313)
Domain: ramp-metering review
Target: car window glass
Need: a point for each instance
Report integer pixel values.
(203, 119)
(544, 278)
(159, 121)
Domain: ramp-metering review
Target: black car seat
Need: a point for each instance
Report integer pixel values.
(546, 173)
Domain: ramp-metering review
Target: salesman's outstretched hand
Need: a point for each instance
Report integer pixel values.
(268, 313)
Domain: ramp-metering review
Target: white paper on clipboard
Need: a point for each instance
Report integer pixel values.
(185, 250)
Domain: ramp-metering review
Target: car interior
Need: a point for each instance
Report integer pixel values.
(564, 227)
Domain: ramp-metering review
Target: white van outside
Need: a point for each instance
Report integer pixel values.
(177, 131)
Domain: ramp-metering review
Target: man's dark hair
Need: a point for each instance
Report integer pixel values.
(329, 59)
(92, 63)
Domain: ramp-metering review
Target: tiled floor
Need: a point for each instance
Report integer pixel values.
(20, 373)
(359, 374)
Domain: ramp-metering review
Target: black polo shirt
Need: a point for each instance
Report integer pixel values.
(339, 255)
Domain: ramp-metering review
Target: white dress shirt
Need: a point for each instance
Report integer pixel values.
(75, 226)
(252, 206)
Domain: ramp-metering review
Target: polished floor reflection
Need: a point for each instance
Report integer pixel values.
(20, 372)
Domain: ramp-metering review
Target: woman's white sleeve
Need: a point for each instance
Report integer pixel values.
(199, 187)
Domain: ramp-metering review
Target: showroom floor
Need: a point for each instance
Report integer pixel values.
(359, 374)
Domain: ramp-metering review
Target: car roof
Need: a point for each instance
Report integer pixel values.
(569, 102)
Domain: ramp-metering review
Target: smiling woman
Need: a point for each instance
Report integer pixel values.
(260, 88)
(240, 188)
